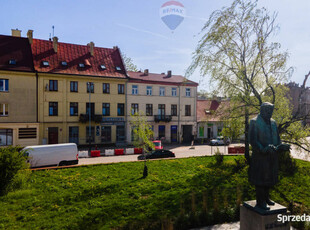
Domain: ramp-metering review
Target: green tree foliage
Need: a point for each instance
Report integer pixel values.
(238, 53)
(142, 132)
(13, 167)
(130, 66)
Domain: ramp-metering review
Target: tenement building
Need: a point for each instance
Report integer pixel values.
(168, 102)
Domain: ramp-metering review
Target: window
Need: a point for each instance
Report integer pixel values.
(161, 131)
(118, 68)
(174, 110)
(90, 135)
(53, 86)
(188, 92)
(134, 108)
(105, 109)
(134, 90)
(149, 110)
(121, 88)
(4, 85)
(187, 110)
(161, 109)
(74, 109)
(90, 108)
(106, 134)
(4, 110)
(161, 91)
(6, 137)
(106, 88)
(81, 65)
(149, 90)
(201, 131)
(27, 133)
(73, 86)
(103, 67)
(120, 109)
(64, 63)
(45, 63)
(12, 62)
(90, 86)
(53, 109)
(174, 92)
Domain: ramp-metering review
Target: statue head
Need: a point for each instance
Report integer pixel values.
(266, 110)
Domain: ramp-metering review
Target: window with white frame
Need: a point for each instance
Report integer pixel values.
(174, 92)
(161, 91)
(188, 92)
(134, 90)
(4, 110)
(149, 90)
(4, 85)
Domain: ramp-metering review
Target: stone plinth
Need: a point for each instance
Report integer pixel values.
(253, 218)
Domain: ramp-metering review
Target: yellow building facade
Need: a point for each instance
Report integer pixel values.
(71, 121)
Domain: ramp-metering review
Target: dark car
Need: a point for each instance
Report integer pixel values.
(159, 153)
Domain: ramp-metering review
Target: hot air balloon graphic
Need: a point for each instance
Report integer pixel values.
(172, 14)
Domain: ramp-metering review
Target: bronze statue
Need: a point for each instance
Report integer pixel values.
(266, 144)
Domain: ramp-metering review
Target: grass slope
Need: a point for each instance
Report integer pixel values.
(186, 192)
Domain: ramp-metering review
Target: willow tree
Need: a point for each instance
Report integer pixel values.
(237, 52)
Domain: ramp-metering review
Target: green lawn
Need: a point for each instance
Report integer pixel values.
(183, 192)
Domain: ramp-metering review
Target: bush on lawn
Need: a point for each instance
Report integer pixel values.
(287, 165)
(13, 167)
(219, 157)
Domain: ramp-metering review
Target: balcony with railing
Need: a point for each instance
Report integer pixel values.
(85, 118)
(164, 118)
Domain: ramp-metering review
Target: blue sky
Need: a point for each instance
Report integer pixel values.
(136, 28)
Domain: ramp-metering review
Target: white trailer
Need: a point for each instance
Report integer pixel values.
(51, 155)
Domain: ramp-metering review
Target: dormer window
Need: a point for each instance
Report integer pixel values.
(208, 111)
(45, 63)
(12, 62)
(64, 63)
(103, 67)
(82, 65)
(118, 68)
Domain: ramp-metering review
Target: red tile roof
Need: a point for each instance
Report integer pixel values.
(73, 54)
(159, 78)
(16, 48)
(216, 110)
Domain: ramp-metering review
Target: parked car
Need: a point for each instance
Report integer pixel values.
(52, 155)
(157, 144)
(159, 153)
(220, 141)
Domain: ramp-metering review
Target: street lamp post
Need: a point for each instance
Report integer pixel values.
(89, 116)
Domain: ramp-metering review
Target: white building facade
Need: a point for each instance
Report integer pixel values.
(168, 102)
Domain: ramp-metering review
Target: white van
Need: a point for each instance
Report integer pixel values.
(51, 155)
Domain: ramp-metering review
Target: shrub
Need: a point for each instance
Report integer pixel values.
(219, 157)
(287, 165)
(240, 163)
(12, 169)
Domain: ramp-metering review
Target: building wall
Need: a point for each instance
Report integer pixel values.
(180, 100)
(215, 127)
(63, 96)
(21, 101)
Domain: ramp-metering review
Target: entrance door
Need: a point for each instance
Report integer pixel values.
(174, 133)
(187, 133)
(53, 135)
(209, 133)
(74, 134)
(120, 133)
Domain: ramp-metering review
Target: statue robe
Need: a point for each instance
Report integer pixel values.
(263, 170)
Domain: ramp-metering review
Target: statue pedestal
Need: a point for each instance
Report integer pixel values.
(255, 218)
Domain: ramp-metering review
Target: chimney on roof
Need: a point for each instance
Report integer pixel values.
(146, 72)
(55, 44)
(91, 46)
(30, 36)
(169, 74)
(115, 47)
(16, 33)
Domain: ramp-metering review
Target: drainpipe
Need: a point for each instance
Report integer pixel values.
(125, 112)
(37, 96)
(179, 115)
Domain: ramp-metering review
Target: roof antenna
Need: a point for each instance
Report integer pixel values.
(53, 27)
(50, 39)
